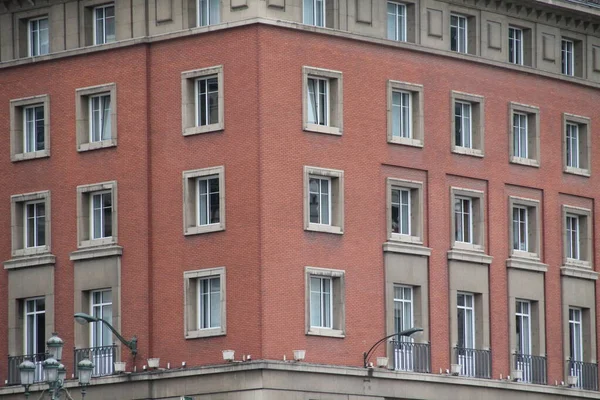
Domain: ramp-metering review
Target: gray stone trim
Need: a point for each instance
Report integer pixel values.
(534, 229)
(533, 134)
(190, 301)
(96, 252)
(406, 248)
(335, 99)
(82, 113)
(338, 278)
(477, 124)
(337, 200)
(416, 209)
(478, 218)
(188, 101)
(31, 261)
(578, 273)
(526, 264)
(17, 130)
(469, 256)
(17, 222)
(84, 216)
(584, 140)
(417, 112)
(586, 238)
(190, 201)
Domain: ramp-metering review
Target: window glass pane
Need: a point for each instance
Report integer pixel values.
(391, 22)
(315, 301)
(309, 12)
(312, 101)
(107, 221)
(326, 302)
(323, 103)
(110, 24)
(469, 339)
(214, 12)
(100, 25)
(106, 128)
(203, 202)
(314, 200)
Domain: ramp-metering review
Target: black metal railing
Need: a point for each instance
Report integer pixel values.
(586, 373)
(14, 375)
(475, 363)
(409, 356)
(103, 358)
(533, 367)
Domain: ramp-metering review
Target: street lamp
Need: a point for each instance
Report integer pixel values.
(84, 318)
(85, 368)
(406, 333)
(55, 373)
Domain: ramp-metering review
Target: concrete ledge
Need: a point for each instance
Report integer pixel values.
(469, 256)
(579, 273)
(526, 264)
(407, 248)
(96, 252)
(30, 261)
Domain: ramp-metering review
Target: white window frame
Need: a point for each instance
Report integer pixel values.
(317, 107)
(334, 101)
(104, 39)
(26, 313)
(336, 199)
(337, 307)
(462, 46)
(400, 205)
(520, 128)
(469, 214)
(517, 223)
(466, 118)
(93, 221)
(101, 99)
(466, 309)
(26, 218)
(207, 94)
(35, 49)
(572, 145)
(524, 316)
(516, 39)
(27, 135)
(207, 179)
(189, 101)
(199, 11)
(399, 34)
(573, 229)
(325, 318)
(191, 200)
(320, 197)
(200, 303)
(575, 333)
(192, 311)
(315, 3)
(398, 130)
(101, 306)
(399, 304)
(568, 57)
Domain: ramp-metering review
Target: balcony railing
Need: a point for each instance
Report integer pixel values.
(474, 363)
(586, 373)
(14, 375)
(409, 356)
(103, 358)
(533, 367)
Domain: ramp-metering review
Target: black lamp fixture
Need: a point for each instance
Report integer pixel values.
(406, 333)
(84, 318)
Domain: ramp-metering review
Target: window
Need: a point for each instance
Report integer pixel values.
(101, 307)
(466, 320)
(97, 214)
(575, 335)
(30, 214)
(467, 124)
(396, 21)
(204, 200)
(324, 200)
(520, 229)
(325, 315)
(576, 141)
(205, 303)
(104, 24)
(573, 237)
(95, 110)
(202, 100)
(405, 113)
(39, 43)
(524, 228)
(30, 128)
(523, 316)
(568, 57)
(314, 12)
(405, 216)
(322, 100)
(577, 236)
(458, 33)
(35, 326)
(403, 310)
(515, 45)
(524, 134)
(468, 219)
(208, 12)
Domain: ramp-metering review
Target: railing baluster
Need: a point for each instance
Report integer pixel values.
(103, 358)
(474, 362)
(409, 356)
(587, 374)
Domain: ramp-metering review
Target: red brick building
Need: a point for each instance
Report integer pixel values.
(272, 176)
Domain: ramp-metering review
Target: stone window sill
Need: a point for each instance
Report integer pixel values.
(96, 252)
(406, 141)
(581, 273)
(329, 130)
(467, 151)
(529, 162)
(324, 228)
(478, 257)
(97, 145)
(197, 130)
(37, 260)
(203, 333)
(198, 230)
(528, 264)
(30, 155)
(406, 248)
(577, 171)
(334, 333)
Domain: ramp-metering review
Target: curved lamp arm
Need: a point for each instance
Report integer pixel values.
(131, 344)
(407, 333)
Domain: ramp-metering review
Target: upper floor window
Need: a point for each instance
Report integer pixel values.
(38, 37)
(396, 21)
(466, 320)
(321, 302)
(463, 219)
(318, 101)
(208, 12)
(401, 114)
(467, 124)
(515, 45)
(403, 310)
(209, 302)
(314, 12)
(568, 57)
(101, 211)
(202, 100)
(95, 110)
(205, 303)
(524, 134)
(458, 33)
(208, 200)
(520, 228)
(405, 113)
(30, 128)
(35, 224)
(577, 234)
(405, 210)
(468, 219)
(30, 214)
(100, 335)
(576, 141)
(97, 214)
(104, 24)
(573, 240)
(323, 200)
(462, 124)
(575, 334)
(320, 200)
(100, 125)
(573, 145)
(207, 100)
(401, 213)
(523, 325)
(520, 135)
(204, 200)
(325, 292)
(35, 326)
(322, 100)
(33, 128)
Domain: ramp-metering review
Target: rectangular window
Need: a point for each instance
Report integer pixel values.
(38, 37)
(463, 219)
(100, 125)
(208, 12)
(208, 200)
(101, 307)
(104, 24)
(403, 310)
(34, 128)
(572, 145)
(573, 243)
(515, 45)
(318, 101)
(462, 124)
(458, 33)
(401, 212)
(209, 303)
(207, 100)
(466, 320)
(314, 12)
(321, 302)
(101, 212)
(575, 334)
(396, 21)
(568, 57)
(523, 326)
(401, 115)
(35, 326)
(320, 200)
(520, 228)
(520, 135)
(35, 224)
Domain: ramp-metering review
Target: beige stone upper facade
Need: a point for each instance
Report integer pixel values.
(544, 33)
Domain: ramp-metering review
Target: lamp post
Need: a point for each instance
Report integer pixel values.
(84, 318)
(406, 333)
(55, 373)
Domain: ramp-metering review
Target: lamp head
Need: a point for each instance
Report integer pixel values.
(55, 345)
(410, 331)
(85, 368)
(84, 318)
(27, 371)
